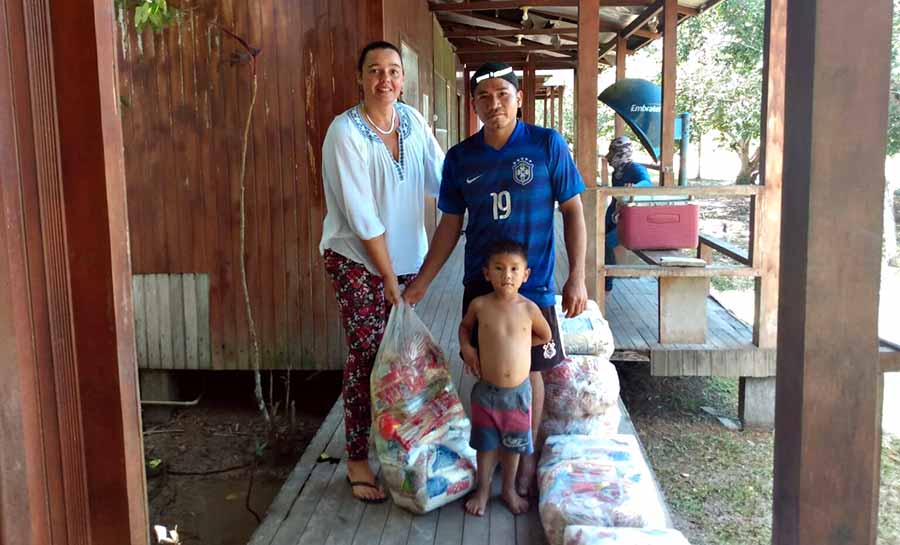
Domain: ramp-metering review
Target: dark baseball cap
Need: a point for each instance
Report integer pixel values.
(490, 70)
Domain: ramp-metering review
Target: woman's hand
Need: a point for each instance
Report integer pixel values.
(391, 290)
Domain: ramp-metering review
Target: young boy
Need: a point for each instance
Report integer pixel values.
(508, 325)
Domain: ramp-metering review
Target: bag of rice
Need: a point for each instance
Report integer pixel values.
(580, 386)
(595, 481)
(596, 535)
(421, 430)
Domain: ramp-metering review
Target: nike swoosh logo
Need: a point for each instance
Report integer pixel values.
(470, 180)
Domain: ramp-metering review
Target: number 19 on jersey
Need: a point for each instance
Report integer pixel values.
(502, 205)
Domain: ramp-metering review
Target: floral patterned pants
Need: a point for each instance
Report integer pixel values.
(364, 313)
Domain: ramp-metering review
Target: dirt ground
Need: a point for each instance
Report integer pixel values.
(200, 459)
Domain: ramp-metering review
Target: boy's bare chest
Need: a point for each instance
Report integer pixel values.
(505, 322)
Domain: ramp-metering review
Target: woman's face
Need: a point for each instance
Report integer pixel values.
(382, 76)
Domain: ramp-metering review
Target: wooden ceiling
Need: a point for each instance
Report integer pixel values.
(547, 30)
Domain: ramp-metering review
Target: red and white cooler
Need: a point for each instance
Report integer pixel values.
(659, 226)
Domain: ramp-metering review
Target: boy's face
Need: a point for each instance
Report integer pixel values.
(506, 272)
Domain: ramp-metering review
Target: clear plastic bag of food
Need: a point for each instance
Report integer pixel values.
(420, 427)
(596, 481)
(596, 535)
(580, 386)
(603, 424)
(587, 334)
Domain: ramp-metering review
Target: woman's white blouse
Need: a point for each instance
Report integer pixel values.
(368, 193)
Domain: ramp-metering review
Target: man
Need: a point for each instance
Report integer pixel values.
(509, 177)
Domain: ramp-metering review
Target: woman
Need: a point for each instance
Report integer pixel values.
(625, 173)
(379, 160)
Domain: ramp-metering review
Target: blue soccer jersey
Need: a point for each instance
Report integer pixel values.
(510, 194)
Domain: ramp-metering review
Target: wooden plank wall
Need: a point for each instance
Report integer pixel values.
(171, 321)
(183, 107)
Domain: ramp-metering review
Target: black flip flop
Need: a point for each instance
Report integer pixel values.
(370, 485)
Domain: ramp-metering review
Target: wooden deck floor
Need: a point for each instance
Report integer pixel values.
(315, 506)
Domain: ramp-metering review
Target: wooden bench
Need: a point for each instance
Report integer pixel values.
(683, 290)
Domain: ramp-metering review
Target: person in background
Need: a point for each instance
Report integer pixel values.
(509, 177)
(379, 162)
(625, 173)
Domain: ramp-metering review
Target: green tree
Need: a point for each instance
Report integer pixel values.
(720, 78)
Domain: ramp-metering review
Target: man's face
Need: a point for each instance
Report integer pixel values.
(496, 103)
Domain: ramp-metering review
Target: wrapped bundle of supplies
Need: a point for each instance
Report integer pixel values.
(421, 430)
(581, 395)
(595, 535)
(587, 334)
(595, 481)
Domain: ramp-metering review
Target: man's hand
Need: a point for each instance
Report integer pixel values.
(575, 297)
(415, 291)
(391, 290)
(470, 358)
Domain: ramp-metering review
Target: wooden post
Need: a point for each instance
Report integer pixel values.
(559, 117)
(73, 469)
(765, 225)
(530, 85)
(586, 143)
(667, 137)
(828, 414)
(552, 104)
(544, 108)
(471, 116)
(621, 51)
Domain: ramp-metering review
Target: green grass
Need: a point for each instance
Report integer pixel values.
(718, 483)
(889, 511)
(728, 283)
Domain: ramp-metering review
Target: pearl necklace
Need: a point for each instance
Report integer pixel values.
(377, 128)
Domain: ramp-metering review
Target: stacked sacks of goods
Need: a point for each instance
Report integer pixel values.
(595, 535)
(421, 429)
(596, 481)
(582, 392)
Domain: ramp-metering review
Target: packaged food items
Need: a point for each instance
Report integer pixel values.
(595, 481)
(420, 428)
(587, 334)
(603, 424)
(580, 386)
(595, 535)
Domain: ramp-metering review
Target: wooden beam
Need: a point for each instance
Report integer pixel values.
(827, 408)
(642, 19)
(621, 50)
(696, 191)
(514, 49)
(458, 7)
(500, 33)
(529, 84)
(669, 62)
(890, 361)
(471, 116)
(656, 271)
(586, 142)
(726, 248)
(559, 115)
(765, 209)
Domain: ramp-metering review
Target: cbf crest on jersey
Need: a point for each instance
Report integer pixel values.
(523, 170)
